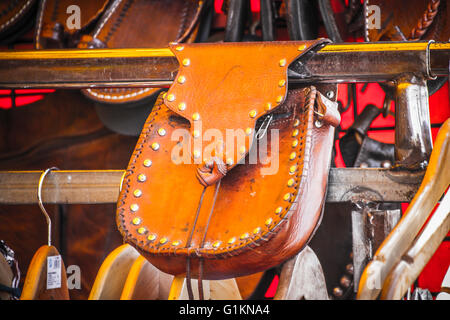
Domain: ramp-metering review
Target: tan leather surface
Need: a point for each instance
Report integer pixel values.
(139, 24)
(416, 20)
(251, 77)
(258, 220)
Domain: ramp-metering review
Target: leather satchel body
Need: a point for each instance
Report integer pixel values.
(229, 174)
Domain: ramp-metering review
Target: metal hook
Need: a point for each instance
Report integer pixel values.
(428, 61)
(41, 205)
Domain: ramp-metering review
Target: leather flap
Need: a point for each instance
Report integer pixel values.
(226, 87)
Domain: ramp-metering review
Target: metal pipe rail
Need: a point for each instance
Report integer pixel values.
(102, 186)
(89, 68)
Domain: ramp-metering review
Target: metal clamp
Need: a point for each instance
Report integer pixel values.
(430, 76)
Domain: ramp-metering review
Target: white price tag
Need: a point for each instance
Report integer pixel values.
(53, 272)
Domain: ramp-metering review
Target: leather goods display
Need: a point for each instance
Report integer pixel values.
(206, 209)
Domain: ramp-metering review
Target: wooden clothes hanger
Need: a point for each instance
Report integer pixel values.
(146, 282)
(412, 263)
(40, 283)
(434, 184)
(113, 273)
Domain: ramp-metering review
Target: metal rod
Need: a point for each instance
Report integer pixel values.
(88, 68)
(102, 186)
(413, 141)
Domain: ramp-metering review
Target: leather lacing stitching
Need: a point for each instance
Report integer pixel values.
(148, 126)
(17, 15)
(115, 26)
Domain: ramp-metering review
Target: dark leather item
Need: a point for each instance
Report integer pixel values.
(141, 23)
(15, 18)
(52, 30)
(358, 149)
(410, 20)
(225, 216)
(375, 154)
(301, 19)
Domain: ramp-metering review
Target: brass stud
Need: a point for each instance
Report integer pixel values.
(181, 79)
(253, 113)
(287, 196)
(147, 163)
(216, 244)
(163, 240)
(268, 222)
(151, 237)
(196, 133)
(142, 230)
(281, 83)
(295, 133)
(170, 97)
(268, 106)
(136, 221)
(248, 131)
(292, 156)
(179, 48)
(291, 182)
(278, 210)
(162, 132)
(186, 62)
(244, 236)
(176, 243)
(242, 150)
(195, 116)
(296, 122)
(257, 230)
(134, 207)
(142, 177)
(279, 99)
(155, 146)
(137, 193)
(181, 106)
(302, 47)
(294, 143)
(232, 240)
(230, 161)
(282, 62)
(292, 169)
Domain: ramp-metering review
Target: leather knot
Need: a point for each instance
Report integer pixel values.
(211, 171)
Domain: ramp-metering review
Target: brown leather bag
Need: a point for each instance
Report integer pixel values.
(196, 197)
